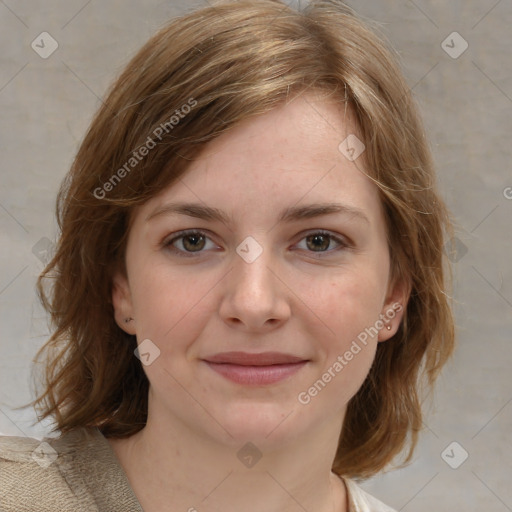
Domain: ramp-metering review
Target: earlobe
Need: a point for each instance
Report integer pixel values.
(391, 318)
(121, 300)
(394, 309)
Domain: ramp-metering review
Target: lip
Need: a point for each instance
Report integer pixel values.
(255, 369)
(254, 359)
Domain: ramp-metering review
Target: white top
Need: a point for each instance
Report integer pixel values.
(360, 501)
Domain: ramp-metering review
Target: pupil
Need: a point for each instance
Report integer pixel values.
(194, 244)
(320, 238)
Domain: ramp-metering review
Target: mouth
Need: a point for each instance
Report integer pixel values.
(255, 369)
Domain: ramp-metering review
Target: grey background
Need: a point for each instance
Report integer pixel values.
(47, 104)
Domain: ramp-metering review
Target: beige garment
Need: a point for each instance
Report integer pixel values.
(79, 472)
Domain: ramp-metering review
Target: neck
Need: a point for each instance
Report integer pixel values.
(167, 463)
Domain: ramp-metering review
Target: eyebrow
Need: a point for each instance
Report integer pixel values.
(293, 213)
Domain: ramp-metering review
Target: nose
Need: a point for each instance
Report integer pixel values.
(255, 297)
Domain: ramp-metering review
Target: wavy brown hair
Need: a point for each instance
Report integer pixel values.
(229, 62)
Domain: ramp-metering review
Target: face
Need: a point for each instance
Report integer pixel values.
(257, 312)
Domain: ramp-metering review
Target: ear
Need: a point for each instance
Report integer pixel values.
(122, 302)
(394, 308)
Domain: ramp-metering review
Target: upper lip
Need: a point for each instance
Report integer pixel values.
(252, 359)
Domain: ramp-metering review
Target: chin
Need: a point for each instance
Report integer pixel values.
(263, 424)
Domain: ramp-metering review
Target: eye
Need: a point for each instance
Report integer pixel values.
(319, 242)
(188, 243)
(191, 242)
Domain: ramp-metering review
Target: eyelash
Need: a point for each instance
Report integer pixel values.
(168, 243)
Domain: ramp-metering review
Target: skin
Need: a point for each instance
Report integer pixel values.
(296, 297)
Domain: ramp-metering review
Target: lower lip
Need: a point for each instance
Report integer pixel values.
(256, 375)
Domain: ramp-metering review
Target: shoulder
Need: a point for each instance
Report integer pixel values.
(360, 501)
(37, 474)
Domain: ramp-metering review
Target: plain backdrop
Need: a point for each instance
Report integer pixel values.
(465, 95)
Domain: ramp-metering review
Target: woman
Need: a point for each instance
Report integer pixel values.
(249, 288)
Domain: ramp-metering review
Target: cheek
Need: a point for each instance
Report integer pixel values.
(350, 303)
(170, 307)
(350, 307)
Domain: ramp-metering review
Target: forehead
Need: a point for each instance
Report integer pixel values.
(308, 127)
(288, 155)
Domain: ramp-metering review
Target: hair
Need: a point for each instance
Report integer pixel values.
(195, 79)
